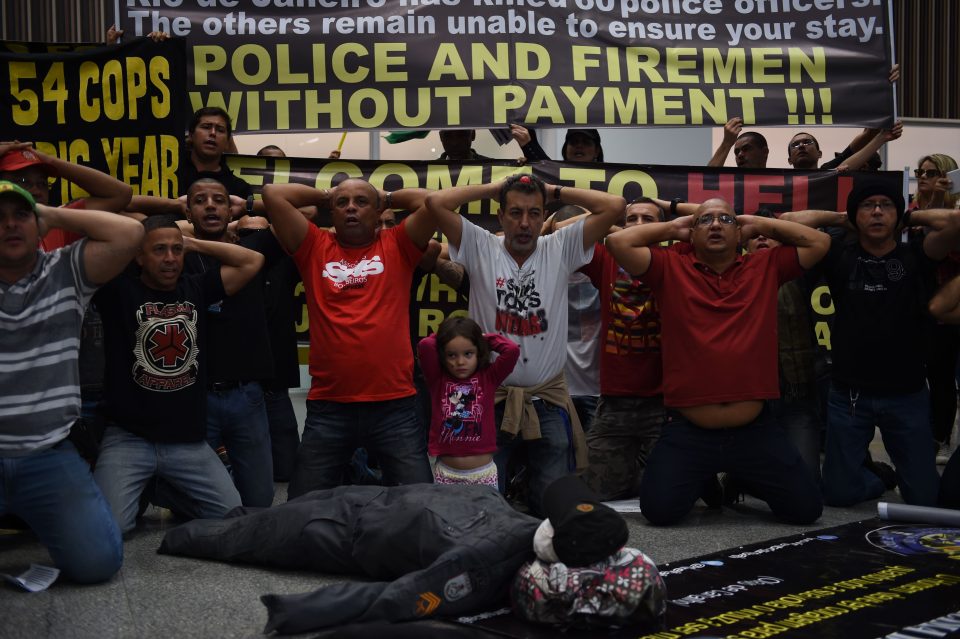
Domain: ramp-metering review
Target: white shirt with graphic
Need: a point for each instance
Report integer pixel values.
(527, 304)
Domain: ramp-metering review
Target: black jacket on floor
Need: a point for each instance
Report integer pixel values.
(434, 551)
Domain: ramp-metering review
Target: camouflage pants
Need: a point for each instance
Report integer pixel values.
(623, 433)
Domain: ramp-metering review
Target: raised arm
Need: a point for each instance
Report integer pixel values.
(945, 304)
(113, 240)
(817, 219)
(944, 225)
(443, 204)
(238, 265)
(861, 157)
(731, 131)
(283, 202)
(812, 245)
(605, 209)
(630, 247)
(106, 193)
(421, 224)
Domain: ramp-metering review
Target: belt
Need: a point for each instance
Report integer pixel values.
(225, 386)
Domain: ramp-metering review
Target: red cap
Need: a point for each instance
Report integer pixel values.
(22, 159)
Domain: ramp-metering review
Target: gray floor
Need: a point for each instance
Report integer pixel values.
(163, 596)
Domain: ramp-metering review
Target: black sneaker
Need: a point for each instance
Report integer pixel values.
(732, 493)
(712, 494)
(884, 471)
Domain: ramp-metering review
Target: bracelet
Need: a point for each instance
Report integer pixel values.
(388, 200)
(673, 206)
(556, 191)
(250, 204)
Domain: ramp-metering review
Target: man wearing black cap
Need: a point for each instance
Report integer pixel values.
(880, 288)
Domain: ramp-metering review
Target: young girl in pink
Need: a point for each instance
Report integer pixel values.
(462, 382)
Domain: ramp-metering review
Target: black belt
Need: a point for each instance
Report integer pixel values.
(225, 386)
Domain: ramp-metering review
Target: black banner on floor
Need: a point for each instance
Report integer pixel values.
(863, 580)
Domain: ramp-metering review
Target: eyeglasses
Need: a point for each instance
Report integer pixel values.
(802, 143)
(706, 219)
(927, 173)
(870, 205)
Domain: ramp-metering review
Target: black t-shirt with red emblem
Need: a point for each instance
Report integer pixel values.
(155, 383)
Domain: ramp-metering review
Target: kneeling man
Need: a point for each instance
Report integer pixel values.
(719, 344)
(155, 388)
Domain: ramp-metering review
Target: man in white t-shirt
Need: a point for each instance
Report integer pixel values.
(518, 288)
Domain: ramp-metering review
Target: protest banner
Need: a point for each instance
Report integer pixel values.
(119, 109)
(777, 190)
(864, 580)
(307, 65)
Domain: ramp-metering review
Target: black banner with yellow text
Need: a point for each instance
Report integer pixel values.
(305, 65)
(777, 190)
(118, 109)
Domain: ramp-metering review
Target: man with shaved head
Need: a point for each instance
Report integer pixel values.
(718, 312)
(357, 279)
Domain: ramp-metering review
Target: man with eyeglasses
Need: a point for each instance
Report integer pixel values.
(33, 171)
(880, 287)
(718, 312)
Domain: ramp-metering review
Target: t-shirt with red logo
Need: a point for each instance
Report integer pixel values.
(155, 342)
(719, 331)
(357, 302)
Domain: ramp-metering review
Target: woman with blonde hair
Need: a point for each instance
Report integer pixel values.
(933, 186)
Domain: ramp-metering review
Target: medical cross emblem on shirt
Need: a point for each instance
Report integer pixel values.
(169, 345)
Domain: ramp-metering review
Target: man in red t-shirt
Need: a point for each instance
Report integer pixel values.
(630, 411)
(719, 345)
(357, 282)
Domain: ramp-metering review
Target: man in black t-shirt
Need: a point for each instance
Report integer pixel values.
(155, 383)
(241, 355)
(880, 288)
(208, 139)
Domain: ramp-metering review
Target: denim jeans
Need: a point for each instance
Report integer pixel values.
(801, 422)
(127, 462)
(54, 493)
(586, 406)
(548, 458)
(237, 419)
(757, 455)
(284, 433)
(333, 430)
(904, 423)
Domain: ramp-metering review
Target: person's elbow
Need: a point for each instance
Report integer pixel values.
(942, 310)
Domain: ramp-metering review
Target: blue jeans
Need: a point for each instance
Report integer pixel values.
(54, 493)
(237, 419)
(904, 423)
(127, 462)
(333, 430)
(548, 458)
(586, 406)
(801, 422)
(284, 433)
(757, 455)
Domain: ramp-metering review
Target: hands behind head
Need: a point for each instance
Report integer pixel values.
(682, 227)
